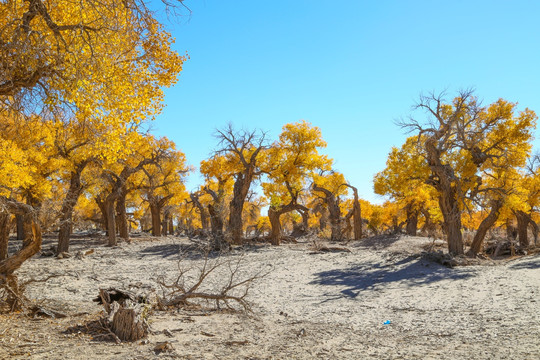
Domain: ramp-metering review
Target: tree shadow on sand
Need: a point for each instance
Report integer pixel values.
(413, 271)
(531, 264)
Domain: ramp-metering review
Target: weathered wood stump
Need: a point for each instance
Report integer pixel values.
(127, 313)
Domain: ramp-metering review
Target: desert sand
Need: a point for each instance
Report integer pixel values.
(381, 300)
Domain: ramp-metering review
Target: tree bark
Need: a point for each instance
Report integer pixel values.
(5, 224)
(412, 220)
(202, 211)
(111, 222)
(240, 191)
(66, 213)
(356, 214)
(171, 225)
(444, 180)
(123, 226)
(485, 225)
(336, 221)
(156, 219)
(275, 233)
(20, 227)
(523, 227)
(9, 265)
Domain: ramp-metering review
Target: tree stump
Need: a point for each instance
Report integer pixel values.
(127, 313)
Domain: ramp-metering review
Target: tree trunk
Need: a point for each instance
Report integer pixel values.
(10, 264)
(66, 213)
(111, 222)
(235, 219)
(447, 184)
(123, 226)
(171, 225)
(275, 234)
(165, 224)
(20, 227)
(452, 222)
(156, 219)
(485, 225)
(523, 226)
(336, 221)
(357, 215)
(412, 220)
(202, 211)
(5, 224)
(511, 230)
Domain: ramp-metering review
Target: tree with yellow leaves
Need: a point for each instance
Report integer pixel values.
(290, 165)
(332, 186)
(404, 181)
(163, 182)
(243, 153)
(460, 140)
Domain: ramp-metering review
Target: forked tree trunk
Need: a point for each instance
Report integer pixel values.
(485, 225)
(523, 226)
(240, 191)
(447, 185)
(336, 221)
(66, 213)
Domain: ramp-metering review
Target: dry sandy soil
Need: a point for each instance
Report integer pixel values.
(327, 305)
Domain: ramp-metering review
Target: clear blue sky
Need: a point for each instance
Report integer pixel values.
(348, 67)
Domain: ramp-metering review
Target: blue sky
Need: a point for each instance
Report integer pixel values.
(349, 67)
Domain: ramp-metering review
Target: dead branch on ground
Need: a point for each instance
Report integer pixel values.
(223, 281)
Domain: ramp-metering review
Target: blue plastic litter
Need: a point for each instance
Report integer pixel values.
(387, 322)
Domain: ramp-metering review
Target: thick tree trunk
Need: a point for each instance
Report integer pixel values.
(412, 221)
(66, 213)
(452, 222)
(123, 226)
(275, 234)
(156, 219)
(235, 220)
(485, 225)
(446, 183)
(523, 226)
(336, 221)
(5, 224)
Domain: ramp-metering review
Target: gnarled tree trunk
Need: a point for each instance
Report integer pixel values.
(66, 213)
(30, 247)
(485, 225)
(336, 221)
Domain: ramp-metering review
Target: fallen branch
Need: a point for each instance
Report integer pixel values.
(229, 290)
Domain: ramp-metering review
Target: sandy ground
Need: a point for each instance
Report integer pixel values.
(310, 305)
